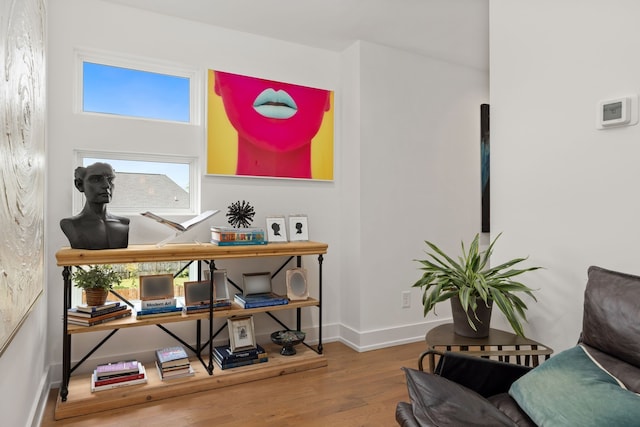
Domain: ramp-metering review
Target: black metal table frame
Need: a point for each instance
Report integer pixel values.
(67, 369)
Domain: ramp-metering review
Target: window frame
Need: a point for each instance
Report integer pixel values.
(194, 183)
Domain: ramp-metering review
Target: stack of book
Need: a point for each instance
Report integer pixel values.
(230, 236)
(158, 308)
(266, 299)
(90, 315)
(118, 374)
(227, 359)
(173, 362)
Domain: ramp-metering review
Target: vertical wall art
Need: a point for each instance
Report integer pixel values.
(485, 166)
(22, 64)
(265, 128)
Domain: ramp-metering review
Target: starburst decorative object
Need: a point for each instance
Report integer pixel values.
(240, 214)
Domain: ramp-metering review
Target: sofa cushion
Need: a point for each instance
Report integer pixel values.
(611, 313)
(570, 389)
(439, 402)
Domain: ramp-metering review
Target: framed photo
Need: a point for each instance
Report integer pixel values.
(241, 333)
(276, 229)
(156, 286)
(220, 289)
(298, 228)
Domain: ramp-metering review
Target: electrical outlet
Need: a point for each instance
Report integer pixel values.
(406, 299)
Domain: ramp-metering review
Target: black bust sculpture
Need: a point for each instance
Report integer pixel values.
(94, 227)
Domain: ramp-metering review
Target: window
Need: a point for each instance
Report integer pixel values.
(159, 183)
(130, 87)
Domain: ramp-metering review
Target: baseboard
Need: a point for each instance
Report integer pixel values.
(387, 337)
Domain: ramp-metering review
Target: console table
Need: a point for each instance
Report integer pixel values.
(499, 344)
(75, 397)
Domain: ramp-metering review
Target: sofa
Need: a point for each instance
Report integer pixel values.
(594, 383)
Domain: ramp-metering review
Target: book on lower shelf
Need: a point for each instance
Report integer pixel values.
(203, 308)
(170, 357)
(226, 359)
(110, 308)
(92, 321)
(175, 372)
(267, 299)
(159, 312)
(123, 367)
(84, 308)
(158, 303)
(99, 383)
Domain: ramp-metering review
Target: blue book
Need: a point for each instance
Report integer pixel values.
(159, 310)
(268, 299)
(239, 243)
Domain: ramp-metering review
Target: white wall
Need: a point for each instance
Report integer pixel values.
(419, 178)
(562, 191)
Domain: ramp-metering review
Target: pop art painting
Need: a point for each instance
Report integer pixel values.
(265, 128)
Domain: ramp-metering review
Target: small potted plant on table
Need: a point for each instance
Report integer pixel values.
(96, 281)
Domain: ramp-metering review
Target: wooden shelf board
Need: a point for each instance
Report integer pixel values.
(235, 310)
(80, 400)
(184, 252)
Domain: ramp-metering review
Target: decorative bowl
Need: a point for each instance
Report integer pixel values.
(288, 339)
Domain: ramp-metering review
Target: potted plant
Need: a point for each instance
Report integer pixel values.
(96, 281)
(473, 286)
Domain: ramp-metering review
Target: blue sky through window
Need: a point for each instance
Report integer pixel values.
(127, 92)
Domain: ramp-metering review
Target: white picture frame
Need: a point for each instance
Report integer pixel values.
(298, 228)
(241, 333)
(276, 229)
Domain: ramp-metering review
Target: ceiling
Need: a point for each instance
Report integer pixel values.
(452, 30)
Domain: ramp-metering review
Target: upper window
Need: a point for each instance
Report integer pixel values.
(135, 88)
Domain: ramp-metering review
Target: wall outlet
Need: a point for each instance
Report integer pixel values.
(406, 299)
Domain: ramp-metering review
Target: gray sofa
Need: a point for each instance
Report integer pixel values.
(595, 383)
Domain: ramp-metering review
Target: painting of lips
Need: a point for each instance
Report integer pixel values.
(265, 128)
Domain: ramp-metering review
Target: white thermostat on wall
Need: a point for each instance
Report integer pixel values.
(617, 112)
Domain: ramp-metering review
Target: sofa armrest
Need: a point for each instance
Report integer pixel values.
(484, 376)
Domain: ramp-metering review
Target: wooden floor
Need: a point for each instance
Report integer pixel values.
(355, 389)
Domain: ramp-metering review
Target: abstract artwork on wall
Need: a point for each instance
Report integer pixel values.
(22, 64)
(485, 166)
(265, 128)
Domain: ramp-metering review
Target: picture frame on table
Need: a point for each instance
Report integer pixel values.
(298, 228)
(156, 287)
(276, 229)
(241, 333)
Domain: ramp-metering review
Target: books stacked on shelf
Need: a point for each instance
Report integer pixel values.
(230, 236)
(118, 374)
(227, 359)
(266, 299)
(203, 308)
(86, 315)
(173, 362)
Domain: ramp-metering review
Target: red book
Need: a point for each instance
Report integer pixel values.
(119, 379)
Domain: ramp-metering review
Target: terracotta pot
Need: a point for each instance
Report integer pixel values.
(461, 324)
(96, 296)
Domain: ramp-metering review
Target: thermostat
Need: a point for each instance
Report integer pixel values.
(617, 112)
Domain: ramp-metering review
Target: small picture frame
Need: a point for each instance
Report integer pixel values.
(241, 333)
(298, 228)
(276, 229)
(156, 286)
